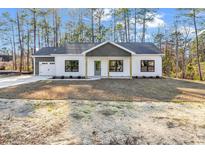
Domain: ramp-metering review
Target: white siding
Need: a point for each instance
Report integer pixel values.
(136, 65)
(60, 65)
(105, 66)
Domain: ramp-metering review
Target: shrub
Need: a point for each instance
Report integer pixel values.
(157, 77)
(144, 77)
(79, 77)
(136, 77)
(70, 76)
(54, 77)
(62, 77)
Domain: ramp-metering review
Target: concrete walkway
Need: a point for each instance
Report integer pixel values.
(17, 80)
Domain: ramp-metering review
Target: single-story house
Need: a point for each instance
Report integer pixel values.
(107, 59)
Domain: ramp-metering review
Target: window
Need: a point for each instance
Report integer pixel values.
(116, 65)
(147, 65)
(71, 66)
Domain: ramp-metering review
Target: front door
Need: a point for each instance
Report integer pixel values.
(97, 67)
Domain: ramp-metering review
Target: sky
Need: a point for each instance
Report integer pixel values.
(164, 17)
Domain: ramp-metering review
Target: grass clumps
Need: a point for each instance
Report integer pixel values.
(77, 116)
(108, 112)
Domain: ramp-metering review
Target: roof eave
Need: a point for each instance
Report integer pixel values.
(33, 56)
(67, 54)
(151, 54)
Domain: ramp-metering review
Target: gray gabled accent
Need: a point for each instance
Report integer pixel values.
(108, 49)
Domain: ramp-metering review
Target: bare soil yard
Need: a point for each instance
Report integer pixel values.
(98, 122)
(111, 90)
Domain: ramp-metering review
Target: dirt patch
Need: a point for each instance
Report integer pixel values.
(32, 122)
(100, 122)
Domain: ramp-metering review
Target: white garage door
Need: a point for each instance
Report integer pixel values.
(47, 68)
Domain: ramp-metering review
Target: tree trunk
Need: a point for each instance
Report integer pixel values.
(184, 63)
(20, 43)
(14, 48)
(177, 55)
(44, 38)
(47, 33)
(135, 30)
(56, 27)
(48, 44)
(114, 24)
(92, 24)
(128, 26)
(39, 39)
(99, 29)
(167, 57)
(143, 30)
(54, 33)
(125, 26)
(197, 45)
(34, 30)
(176, 34)
(28, 52)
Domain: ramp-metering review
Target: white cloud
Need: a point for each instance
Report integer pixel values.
(157, 22)
(107, 15)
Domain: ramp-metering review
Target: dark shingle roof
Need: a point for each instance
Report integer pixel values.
(78, 48)
(141, 48)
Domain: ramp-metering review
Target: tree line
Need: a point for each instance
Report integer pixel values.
(182, 42)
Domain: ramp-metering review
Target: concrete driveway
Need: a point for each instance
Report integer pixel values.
(17, 80)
